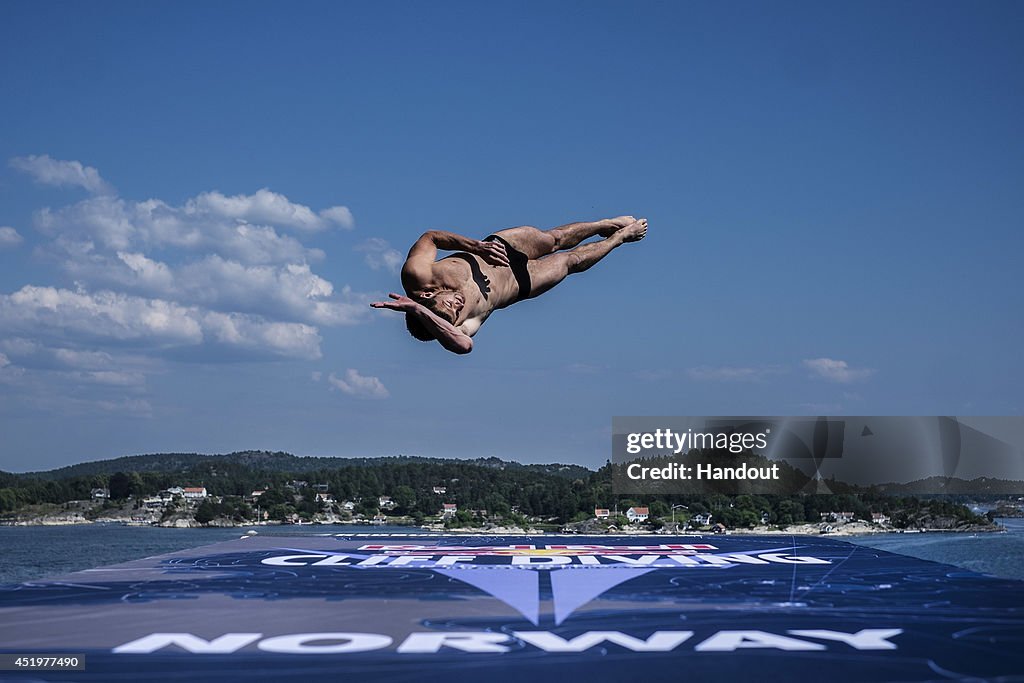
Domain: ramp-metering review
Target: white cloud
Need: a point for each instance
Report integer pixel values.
(109, 223)
(836, 370)
(340, 216)
(380, 254)
(289, 291)
(62, 173)
(269, 207)
(355, 384)
(293, 340)
(213, 278)
(9, 237)
(731, 373)
(151, 274)
(105, 317)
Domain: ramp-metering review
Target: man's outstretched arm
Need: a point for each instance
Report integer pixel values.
(449, 336)
(424, 251)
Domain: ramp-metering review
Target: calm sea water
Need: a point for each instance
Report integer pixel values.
(36, 552)
(28, 553)
(997, 554)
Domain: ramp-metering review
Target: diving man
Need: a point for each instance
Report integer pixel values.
(449, 299)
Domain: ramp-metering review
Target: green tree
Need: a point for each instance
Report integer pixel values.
(404, 499)
(206, 512)
(120, 485)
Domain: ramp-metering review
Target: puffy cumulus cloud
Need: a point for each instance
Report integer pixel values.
(149, 274)
(380, 255)
(214, 278)
(732, 373)
(49, 171)
(269, 207)
(358, 385)
(104, 315)
(9, 237)
(112, 317)
(290, 291)
(836, 370)
(293, 340)
(340, 216)
(113, 224)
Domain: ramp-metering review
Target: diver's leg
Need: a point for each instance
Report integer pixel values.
(529, 240)
(547, 272)
(569, 235)
(537, 243)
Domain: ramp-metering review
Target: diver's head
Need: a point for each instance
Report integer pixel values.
(444, 304)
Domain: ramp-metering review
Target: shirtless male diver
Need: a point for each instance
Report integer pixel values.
(448, 300)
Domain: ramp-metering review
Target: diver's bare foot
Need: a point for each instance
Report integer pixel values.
(615, 224)
(635, 231)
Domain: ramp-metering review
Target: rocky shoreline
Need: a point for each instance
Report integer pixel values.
(185, 521)
(92, 512)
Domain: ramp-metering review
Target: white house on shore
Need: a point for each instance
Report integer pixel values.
(637, 514)
(448, 510)
(703, 519)
(837, 517)
(602, 513)
(194, 492)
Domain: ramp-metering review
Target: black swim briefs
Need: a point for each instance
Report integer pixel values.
(517, 260)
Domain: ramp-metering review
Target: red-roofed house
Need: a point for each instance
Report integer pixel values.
(635, 515)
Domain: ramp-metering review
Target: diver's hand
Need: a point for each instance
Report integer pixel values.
(400, 303)
(493, 252)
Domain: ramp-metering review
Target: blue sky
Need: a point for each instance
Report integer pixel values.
(198, 202)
